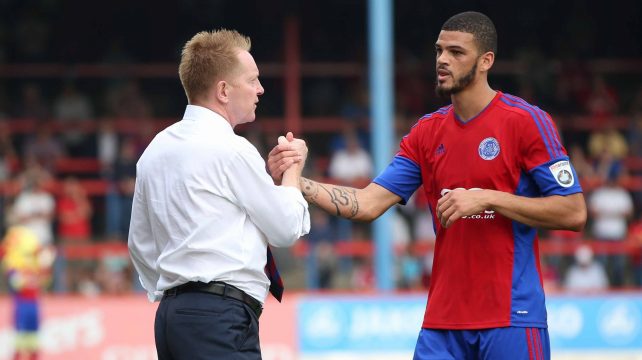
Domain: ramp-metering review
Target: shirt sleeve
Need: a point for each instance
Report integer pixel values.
(280, 212)
(401, 177)
(142, 247)
(544, 157)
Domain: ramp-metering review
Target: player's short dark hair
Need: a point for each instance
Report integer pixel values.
(478, 24)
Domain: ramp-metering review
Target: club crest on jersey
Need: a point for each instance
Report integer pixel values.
(563, 173)
(489, 148)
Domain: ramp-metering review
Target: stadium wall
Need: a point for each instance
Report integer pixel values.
(322, 327)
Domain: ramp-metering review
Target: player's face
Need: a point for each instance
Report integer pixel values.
(457, 57)
(245, 89)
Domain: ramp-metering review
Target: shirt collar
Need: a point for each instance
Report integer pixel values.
(206, 116)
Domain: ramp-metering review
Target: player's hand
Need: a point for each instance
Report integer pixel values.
(285, 154)
(460, 202)
(300, 147)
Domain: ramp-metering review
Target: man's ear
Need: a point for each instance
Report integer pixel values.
(222, 90)
(486, 61)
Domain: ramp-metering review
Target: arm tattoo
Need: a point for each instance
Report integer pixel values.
(344, 199)
(310, 190)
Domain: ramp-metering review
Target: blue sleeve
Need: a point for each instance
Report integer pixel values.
(556, 177)
(402, 177)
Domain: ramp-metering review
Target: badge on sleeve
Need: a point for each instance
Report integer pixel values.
(563, 173)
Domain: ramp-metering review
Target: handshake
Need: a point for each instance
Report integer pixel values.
(287, 158)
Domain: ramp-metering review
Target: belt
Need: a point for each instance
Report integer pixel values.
(218, 288)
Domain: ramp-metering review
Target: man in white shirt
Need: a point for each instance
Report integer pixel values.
(205, 210)
(612, 207)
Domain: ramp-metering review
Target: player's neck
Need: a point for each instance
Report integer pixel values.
(471, 101)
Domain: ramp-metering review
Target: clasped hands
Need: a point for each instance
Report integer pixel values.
(458, 203)
(289, 152)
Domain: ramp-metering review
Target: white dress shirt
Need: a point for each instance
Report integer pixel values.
(205, 209)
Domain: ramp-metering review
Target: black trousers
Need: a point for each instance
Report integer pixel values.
(203, 326)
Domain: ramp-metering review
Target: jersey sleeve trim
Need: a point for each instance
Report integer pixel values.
(401, 177)
(542, 121)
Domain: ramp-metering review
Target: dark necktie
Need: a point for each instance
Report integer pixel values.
(276, 283)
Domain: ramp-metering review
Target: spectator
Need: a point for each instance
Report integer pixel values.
(85, 282)
(73, 213)
(607, 149)
(112, 274)
(119, 197)
(349, 126)
(608, 141)
(44, 147)
(8, 162)
(353, 164)
(635, 234)
(106, 145)
(321, 262)
(363, 274)
(145, 132)
(410, 269)
(72, 106)
(586, 274)
(8, 158)
(611, 206)
(71, 110)
(417, 217)
(34, 207)
(635, 134)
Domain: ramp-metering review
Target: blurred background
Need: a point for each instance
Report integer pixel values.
(84, 87)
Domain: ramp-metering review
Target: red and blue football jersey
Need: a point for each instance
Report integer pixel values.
(486, 267)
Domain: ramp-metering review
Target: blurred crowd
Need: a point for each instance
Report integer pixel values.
(41, 194)
(55, 204)
(106, 122)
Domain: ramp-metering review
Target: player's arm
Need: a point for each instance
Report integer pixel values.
(364, 204)
(395, 184)
(551, 212)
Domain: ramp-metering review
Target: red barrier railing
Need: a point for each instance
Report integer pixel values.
(365, 248)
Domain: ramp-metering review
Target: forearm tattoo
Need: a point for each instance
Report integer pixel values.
(344, 199)
(310, 190)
